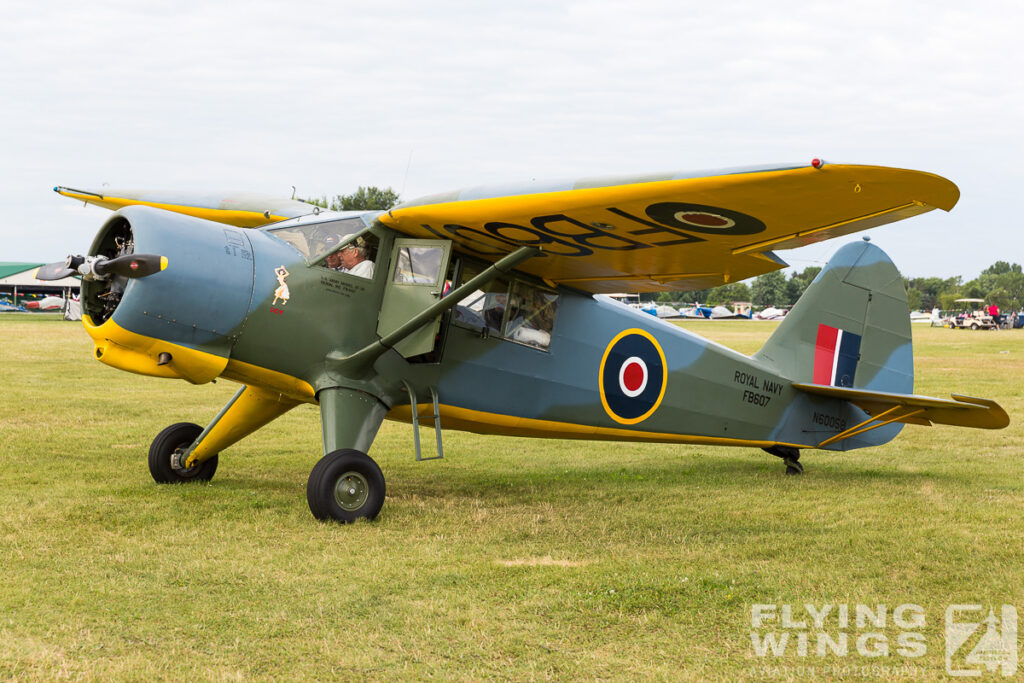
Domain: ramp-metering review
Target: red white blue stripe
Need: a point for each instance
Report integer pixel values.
(836, 353)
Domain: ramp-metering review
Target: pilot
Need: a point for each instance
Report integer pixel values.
(333, 259)
(355, 259)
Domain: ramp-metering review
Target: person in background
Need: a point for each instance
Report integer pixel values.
(993, 311)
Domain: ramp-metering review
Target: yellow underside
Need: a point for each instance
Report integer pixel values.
(254, 375)
(126, 350)
(241, 219)
(480, 422)
(797, 207)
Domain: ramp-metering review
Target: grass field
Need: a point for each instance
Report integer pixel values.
(510, 559)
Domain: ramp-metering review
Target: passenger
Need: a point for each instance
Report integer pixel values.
(494, 310)
(355, 259)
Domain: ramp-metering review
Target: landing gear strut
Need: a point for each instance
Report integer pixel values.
(790, 456)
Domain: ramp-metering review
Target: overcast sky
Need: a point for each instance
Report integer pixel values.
(432, 96)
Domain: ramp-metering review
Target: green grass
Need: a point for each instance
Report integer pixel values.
(510, 559)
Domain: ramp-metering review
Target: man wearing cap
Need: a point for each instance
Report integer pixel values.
(354, 259)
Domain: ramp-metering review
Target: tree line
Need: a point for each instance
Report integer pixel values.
(363, 199)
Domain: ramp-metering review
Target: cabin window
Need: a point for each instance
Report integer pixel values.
(515, 310)
(531, 315)
(485, 307)
(419, 265)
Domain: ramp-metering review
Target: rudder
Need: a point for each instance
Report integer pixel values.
(850, 328)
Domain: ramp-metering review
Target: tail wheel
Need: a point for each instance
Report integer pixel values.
(790, 456)
(344, 486)
(165, 456)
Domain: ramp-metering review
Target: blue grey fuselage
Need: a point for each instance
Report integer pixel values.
(216, 297)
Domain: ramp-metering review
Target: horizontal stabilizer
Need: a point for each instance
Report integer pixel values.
(962, 411)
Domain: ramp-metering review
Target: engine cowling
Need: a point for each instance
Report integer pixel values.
(182, 321)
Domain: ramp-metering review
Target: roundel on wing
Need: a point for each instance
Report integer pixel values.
(632, 376)
(709, 220)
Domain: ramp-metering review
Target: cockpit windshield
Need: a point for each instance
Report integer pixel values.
(316, 239)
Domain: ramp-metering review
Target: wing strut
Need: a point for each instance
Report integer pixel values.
(865, 426)
(356, 363)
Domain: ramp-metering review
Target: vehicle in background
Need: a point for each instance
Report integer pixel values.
(970, 314)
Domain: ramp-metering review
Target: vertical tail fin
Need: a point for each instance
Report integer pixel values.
(851, 328)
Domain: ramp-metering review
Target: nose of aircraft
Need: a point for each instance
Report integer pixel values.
(181, 320)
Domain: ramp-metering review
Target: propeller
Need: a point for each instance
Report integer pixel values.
(130, 265)
(57, 271)
(100, 267)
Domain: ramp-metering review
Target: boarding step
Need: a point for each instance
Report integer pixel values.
(416, 415)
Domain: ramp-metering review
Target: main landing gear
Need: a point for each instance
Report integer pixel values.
(790, 456)
(344, 486)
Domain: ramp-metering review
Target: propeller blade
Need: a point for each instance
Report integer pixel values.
(131, 265)
(55, 271)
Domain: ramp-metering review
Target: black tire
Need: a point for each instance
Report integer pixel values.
(974, 326)
(177, 436)
(793, 467)
(344, 486)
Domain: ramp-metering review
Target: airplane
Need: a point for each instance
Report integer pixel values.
(483, 310)
(48, 303)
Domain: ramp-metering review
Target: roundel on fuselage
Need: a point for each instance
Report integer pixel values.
(633, 376)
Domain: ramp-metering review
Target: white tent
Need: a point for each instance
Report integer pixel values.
(72, 309)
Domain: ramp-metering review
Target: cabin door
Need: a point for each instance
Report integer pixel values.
(415, 281)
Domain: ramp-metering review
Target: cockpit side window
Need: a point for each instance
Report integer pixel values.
(315, 240)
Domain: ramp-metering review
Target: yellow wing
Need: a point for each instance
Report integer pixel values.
(243, 210)
(663, 232)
